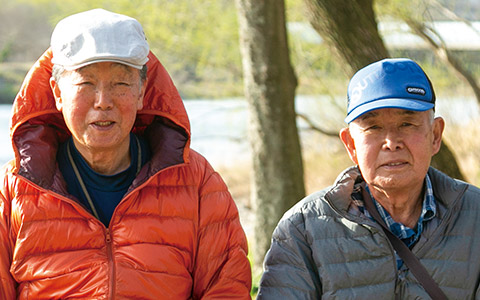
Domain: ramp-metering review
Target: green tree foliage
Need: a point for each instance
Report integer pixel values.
(196, 40)
(198, 37)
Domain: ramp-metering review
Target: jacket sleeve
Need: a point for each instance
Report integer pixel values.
(222, 270)
(7, 283)
(289, 270)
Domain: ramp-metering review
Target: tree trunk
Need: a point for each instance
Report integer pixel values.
(270, 85)
(349, 27)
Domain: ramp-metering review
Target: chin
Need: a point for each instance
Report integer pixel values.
(389, 182)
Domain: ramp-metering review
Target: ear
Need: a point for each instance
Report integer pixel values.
(56, 93)
(349, 143)
(438, 126)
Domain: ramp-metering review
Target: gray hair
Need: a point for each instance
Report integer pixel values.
(431, 117)
(59, 70)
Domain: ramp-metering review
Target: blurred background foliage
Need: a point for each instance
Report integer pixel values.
(197, 41)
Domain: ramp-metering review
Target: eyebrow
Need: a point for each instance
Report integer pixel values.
(125, 67)
(368, 115)
(372, 114)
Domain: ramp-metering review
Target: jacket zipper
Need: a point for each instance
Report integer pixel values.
(111, 264)
(108, 236)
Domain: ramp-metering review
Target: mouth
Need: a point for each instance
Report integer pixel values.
(395, 164)
(103, 123)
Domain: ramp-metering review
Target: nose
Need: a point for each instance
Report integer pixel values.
(393, 140)
(103, 97)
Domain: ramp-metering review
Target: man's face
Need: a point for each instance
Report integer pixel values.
(393, 147)
(99, 103)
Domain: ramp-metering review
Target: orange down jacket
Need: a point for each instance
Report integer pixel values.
(176, 234)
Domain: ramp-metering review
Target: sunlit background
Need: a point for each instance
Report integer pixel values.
(198, 43)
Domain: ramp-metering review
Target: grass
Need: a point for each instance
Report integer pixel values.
(466, 147)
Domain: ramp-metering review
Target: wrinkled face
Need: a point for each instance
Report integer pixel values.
(99, 103)
(393, 147)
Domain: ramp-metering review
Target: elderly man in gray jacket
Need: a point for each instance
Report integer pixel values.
(339, 243)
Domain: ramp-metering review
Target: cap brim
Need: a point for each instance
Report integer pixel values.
(86, 63)
(402, 103)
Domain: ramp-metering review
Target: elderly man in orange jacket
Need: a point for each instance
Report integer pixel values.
(105, 199)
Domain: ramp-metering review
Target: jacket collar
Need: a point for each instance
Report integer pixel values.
(447, 191)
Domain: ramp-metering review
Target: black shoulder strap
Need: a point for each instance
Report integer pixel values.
(404, 252)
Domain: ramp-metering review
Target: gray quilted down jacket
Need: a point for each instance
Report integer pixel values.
(325, 248)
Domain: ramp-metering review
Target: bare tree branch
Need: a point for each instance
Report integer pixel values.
(451, 14)
(438, 45)
(314, 127)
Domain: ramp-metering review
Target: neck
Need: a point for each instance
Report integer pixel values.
(403, 207)
(107, 161)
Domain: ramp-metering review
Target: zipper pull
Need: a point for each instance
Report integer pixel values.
(108, 237)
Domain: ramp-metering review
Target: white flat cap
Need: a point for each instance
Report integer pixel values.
(98, 35)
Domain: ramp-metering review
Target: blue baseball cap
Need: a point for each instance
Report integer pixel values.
(389, 83)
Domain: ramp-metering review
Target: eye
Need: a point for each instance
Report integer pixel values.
(122, 83)
(85, 83)
(373, 127)
(406, 124)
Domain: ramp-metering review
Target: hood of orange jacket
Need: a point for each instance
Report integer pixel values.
(37, 127)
